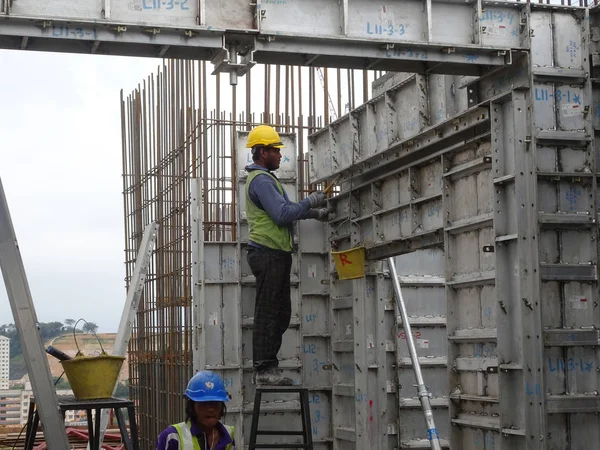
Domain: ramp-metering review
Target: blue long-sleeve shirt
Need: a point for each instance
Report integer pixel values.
(265, 195)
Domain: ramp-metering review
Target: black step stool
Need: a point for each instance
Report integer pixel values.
(70, 403)
(304, 412)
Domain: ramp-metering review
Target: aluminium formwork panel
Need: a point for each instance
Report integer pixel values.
(363, 359)
(415, 103)
(440, 36)
(518, 249)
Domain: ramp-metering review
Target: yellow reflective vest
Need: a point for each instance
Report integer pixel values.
(187, 441)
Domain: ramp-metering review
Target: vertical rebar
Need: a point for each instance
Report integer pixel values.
(340, 111)
(326, 112)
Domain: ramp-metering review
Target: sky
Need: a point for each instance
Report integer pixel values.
(60, 166)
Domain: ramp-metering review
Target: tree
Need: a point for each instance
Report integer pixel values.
(62, 384)
(50, 330)
(10, 331)
(17, 364)
(47, 331)
(69, 324)
(89, 327)
(122, 391)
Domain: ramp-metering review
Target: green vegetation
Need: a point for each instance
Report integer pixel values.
(122, 390)
(17, 367)
(47, 331)
(62, 384)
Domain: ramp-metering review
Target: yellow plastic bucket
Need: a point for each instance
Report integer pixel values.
(93, 377)
(350, 264)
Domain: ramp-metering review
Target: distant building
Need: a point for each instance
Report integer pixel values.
(10, 406)
(4, 361)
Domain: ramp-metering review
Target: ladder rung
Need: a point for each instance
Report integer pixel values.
(279, 433)
(281, 446)
(280, 389)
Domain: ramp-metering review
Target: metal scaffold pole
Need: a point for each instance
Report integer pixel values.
(23, 310)
(421, 387)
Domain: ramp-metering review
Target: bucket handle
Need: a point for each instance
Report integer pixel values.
(75, 338)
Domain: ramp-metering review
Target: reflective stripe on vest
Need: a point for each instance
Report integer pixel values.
(187, 441)
(261, 228)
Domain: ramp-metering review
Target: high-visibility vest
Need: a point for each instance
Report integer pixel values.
(261, 228)
(189, 442)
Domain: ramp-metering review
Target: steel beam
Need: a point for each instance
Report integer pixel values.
(403, 36)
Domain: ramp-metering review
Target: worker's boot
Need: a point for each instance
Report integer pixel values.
(271, 377)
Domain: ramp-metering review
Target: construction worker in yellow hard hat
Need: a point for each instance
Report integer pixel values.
(271, 216)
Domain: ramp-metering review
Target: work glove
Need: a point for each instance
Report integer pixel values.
(316, 199)
(323, 214)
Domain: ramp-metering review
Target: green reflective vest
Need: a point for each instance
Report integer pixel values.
(189, 442)
(262, 229)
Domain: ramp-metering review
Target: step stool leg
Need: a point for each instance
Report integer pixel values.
(98, 414)
(306, 427)
(123, 428)
(90, 428)
(133, 427)
(255, 416)
(32, 426)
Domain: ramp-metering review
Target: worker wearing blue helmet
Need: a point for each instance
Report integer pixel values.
(205, 407)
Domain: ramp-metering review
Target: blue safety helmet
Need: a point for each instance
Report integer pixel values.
(206, 386)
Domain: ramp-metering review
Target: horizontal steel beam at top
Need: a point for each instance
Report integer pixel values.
(404, 36)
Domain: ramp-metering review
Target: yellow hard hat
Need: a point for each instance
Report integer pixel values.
(264, 135)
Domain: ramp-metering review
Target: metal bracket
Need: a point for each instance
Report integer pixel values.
(226, 60)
